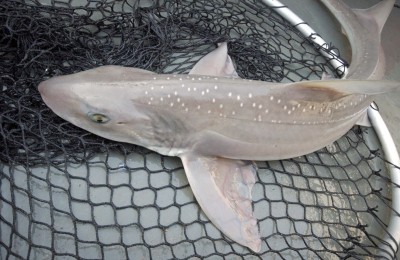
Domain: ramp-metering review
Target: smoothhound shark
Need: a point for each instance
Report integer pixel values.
(216, 122)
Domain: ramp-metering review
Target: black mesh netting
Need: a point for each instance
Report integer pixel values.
(67, 194)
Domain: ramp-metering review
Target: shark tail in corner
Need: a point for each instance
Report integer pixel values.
(363, 28)
(347, 16)
(379, 12)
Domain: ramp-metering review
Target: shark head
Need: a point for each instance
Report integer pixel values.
(107, 101)
(84, 100)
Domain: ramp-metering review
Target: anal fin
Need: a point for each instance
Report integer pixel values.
(223, 187)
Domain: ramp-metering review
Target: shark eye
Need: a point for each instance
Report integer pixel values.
(98, 118)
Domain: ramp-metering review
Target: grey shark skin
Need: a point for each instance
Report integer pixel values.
(215, 122)
(363, 28)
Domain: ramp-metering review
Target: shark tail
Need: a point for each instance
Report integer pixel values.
(379, 12)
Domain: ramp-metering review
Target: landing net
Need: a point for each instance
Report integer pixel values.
(66, 193)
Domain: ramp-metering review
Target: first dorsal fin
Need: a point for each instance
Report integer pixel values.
(379, 12)
(216, 63)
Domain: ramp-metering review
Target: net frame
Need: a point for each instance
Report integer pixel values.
(277, 251)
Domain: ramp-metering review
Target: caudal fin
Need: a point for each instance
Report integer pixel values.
(379, 12)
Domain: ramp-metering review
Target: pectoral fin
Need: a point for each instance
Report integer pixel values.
(223, 187)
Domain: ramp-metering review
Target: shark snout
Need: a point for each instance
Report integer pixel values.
(43, 86)
(49, 91)
(56, 93)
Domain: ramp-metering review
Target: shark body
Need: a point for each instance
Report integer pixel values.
(215, 122)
